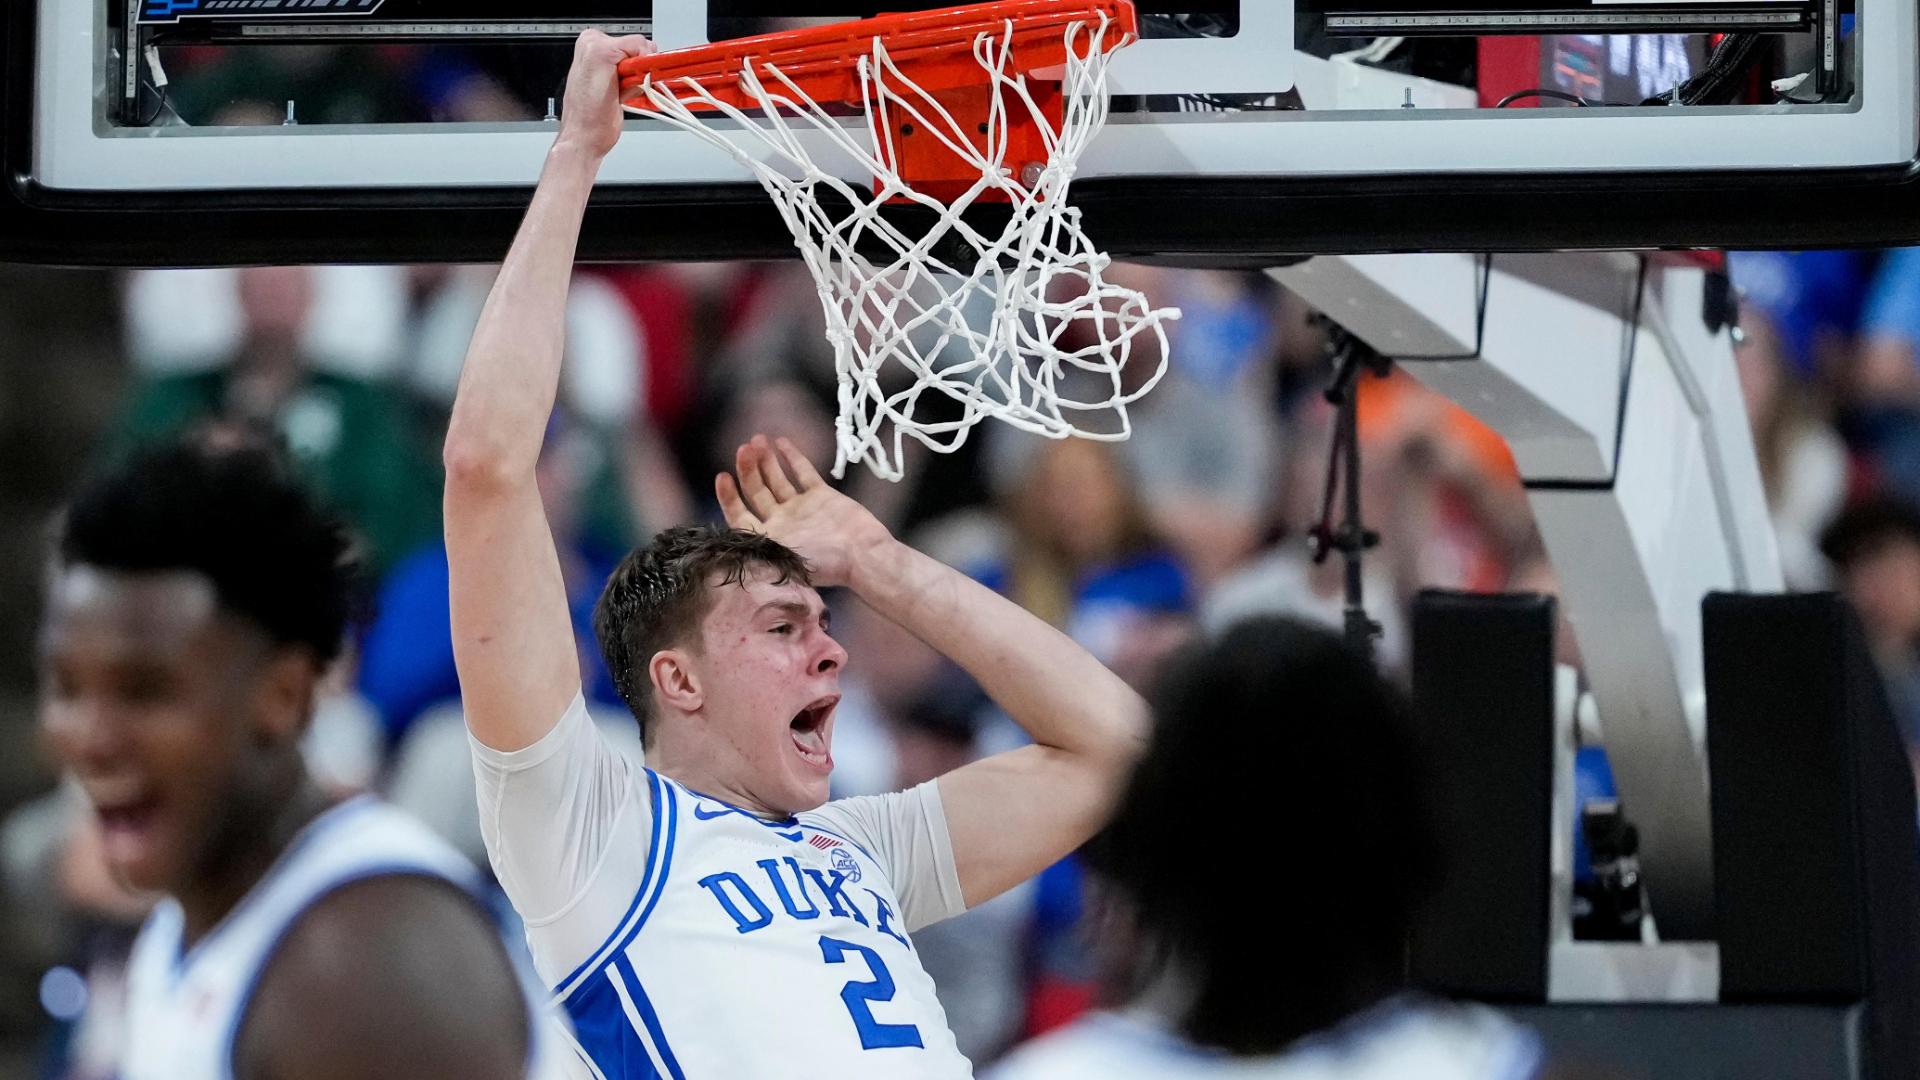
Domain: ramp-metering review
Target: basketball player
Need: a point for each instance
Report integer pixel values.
(197, 595)
(706, 915)
(1279, 753)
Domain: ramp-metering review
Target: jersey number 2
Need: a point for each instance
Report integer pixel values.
(874, 1035)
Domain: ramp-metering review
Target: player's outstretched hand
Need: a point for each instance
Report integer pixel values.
(591, 116)
(781, 494)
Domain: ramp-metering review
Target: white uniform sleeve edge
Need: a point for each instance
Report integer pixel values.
(946, 868)
(527, 757)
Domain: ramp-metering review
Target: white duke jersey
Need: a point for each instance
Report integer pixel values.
(1404, 1040)
(185, 1008)
(716, 944)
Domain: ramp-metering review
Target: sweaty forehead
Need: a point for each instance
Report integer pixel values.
(148, 611)
(742, 600)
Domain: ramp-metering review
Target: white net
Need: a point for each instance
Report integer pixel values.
(1018, 324)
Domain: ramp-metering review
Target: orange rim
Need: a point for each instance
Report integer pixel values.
(933, 48)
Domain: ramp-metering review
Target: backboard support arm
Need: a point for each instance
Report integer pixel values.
(1618, 396)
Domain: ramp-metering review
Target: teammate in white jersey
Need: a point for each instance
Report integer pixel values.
(706, 915)
(197, 596)
(1257, 884)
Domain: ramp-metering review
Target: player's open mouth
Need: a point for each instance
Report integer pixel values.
(126, 823)
(812, 730)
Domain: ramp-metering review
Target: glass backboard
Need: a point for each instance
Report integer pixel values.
(173, 131)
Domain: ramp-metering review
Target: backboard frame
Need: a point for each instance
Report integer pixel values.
(1252, 216)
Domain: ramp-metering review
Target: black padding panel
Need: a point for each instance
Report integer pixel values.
(1483, 689)
(1816, 853)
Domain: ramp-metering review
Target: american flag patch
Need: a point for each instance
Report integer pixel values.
(823, 842)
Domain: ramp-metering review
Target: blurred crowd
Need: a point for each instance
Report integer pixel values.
(1130, 547)
(1199, 519)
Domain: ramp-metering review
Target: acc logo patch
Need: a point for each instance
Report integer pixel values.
(844, 862)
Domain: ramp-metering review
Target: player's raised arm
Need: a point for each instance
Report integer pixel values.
(512, 636)
(1013, 814)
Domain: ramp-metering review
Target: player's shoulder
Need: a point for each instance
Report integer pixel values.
(375, 931)
(383, 952)
(361, 838)
(1103, 1045)
(1447, 1040)
(842, 812)
(370, 914)
(856, 821)
(868, 819)
(365, 834)
(1414, 1035)
(1432, 1040)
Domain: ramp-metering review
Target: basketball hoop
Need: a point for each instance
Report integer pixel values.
(985, 104)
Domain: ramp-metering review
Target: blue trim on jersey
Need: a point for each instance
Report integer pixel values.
(166, 904)
(581, 1055)
(376, 870)
(700, 812)
(599, 955)
(653, 880)
(647, 1016)
(602, 1032)
(323, 823)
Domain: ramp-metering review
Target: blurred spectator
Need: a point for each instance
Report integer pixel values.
(453, 88)
(895, 674)
(1803, 463)
(1875, 548)
(1439, 488)
(1204, 447)
(1879, 391)
(629, 488)
(328, 84)
(1229, 329)
(431, 778)
(51, 855)
(350, 437)
(407, 663)
(1803, 306)
(60, 385)
(690, 317)
(1443, 488)
(190, 320)
(1284, 579)
(1889, 365)
(344, 744)
(1082, 555)
(778, 404)
(603, 375)
(780, 398)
